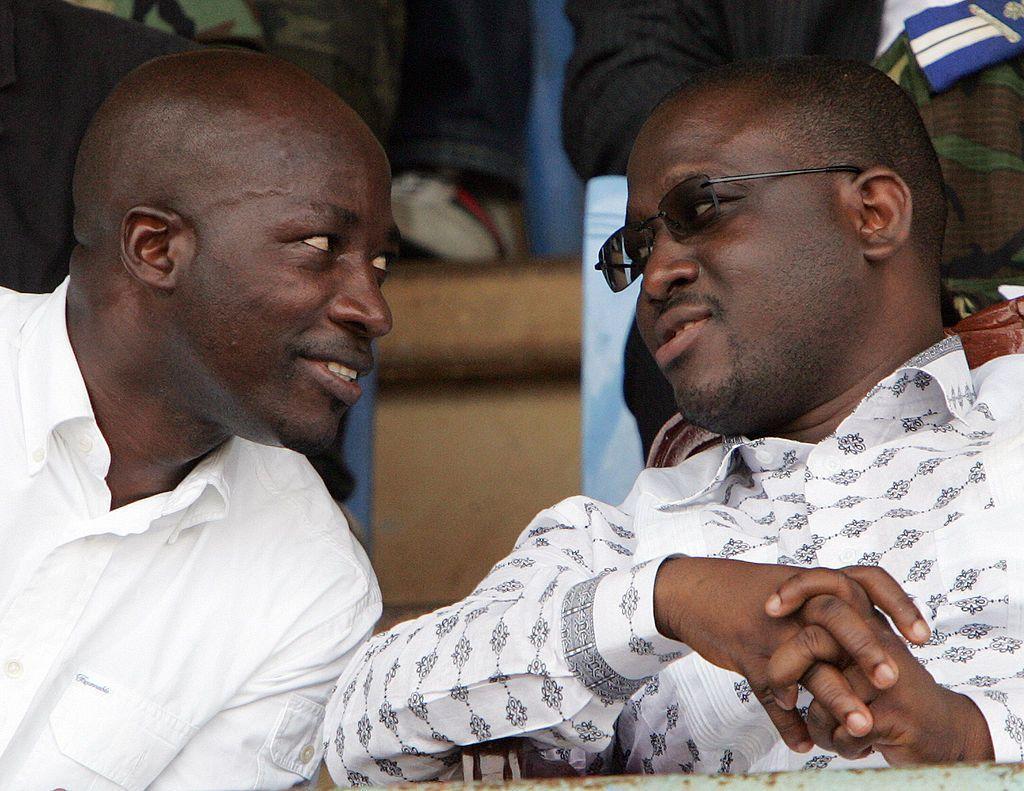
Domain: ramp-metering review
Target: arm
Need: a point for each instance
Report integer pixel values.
(523, 655)
(627, 56)
(552, 643)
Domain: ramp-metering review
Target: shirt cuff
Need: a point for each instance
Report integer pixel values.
(1005, 726)
(608, 632)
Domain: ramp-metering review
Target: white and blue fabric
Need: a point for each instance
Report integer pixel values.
(954, 41)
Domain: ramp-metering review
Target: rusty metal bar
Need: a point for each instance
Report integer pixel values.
(961, 777)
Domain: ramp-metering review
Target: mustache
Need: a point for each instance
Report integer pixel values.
(709, 301)
(360, 353)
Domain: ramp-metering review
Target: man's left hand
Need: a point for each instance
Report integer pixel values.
(914, 721)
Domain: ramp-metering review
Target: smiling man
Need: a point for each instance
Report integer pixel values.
(178, 591)
(785, 218)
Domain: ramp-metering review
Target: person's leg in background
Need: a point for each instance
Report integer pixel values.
(457, 142)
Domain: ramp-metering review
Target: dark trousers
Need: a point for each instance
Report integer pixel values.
(466, 77)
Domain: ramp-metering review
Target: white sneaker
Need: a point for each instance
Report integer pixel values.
(439, 218)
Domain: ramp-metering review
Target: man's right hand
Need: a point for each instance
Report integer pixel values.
(717, 607)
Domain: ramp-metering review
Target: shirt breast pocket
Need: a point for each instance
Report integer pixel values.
(125, 739)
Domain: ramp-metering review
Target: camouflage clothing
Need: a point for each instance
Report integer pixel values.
(354, 46)
(977, 128)
(205, 21)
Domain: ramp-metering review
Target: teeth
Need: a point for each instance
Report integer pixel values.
(341, 371)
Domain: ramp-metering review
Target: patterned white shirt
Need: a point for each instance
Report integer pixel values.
(925, 478)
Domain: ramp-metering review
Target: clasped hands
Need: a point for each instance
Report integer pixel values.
(823, 629)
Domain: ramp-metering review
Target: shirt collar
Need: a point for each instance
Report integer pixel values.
(944, 365)
(52, 389)
(931, 386)
(204, 495)
(53, 393)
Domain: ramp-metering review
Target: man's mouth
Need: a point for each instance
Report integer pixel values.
(678, 331)
(342, 371)
(338, 379)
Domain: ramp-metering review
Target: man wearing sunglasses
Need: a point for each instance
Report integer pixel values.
(786, 219)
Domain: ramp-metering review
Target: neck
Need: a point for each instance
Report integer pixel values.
(823, 419)
(153, 445)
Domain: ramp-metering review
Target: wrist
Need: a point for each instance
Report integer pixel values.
(675, 586)
(670, 593)
(975, 742)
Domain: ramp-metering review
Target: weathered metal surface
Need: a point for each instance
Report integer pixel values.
(963, 777)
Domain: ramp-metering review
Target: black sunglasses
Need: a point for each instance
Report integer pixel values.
(686, 208)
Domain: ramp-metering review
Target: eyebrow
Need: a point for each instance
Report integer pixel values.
(347, 217)
(338, 214)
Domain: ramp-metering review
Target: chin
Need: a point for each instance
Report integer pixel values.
(311, 439)
(720, 409)
(308, 437)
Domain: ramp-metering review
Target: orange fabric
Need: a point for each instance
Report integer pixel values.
(992, 332)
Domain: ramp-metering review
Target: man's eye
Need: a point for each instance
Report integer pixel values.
(381, 263)
(319, 242)
(700, 209)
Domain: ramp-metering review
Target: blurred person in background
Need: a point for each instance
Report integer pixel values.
(457, 145)
(58, 62)
(447, 84)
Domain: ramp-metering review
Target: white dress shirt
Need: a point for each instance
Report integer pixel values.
(558, 643)
(185, 641)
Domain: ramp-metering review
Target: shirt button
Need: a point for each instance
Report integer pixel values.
(832, 465)
(13, 669)
(84, 443)
(38, 455)
(847, 556)
(307, 754)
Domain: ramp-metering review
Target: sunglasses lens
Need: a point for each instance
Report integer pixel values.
(623, 256)
(689, 205)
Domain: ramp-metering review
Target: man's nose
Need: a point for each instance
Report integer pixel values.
(671, 265)
(359, 303)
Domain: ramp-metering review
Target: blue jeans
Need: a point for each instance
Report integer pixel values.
(466, 79)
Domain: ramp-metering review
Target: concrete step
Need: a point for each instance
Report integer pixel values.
(482, 321)
(478, 419)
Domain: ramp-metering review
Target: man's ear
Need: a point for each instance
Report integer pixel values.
(157, 246)
(882, 211)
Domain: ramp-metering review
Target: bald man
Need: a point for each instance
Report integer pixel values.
(178, 592)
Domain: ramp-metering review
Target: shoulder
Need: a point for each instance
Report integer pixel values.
(282, 515)
(999, 390)
(582, 511)
(582, 523)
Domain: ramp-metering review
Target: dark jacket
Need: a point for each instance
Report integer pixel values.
(57, 64)
(629, 54)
